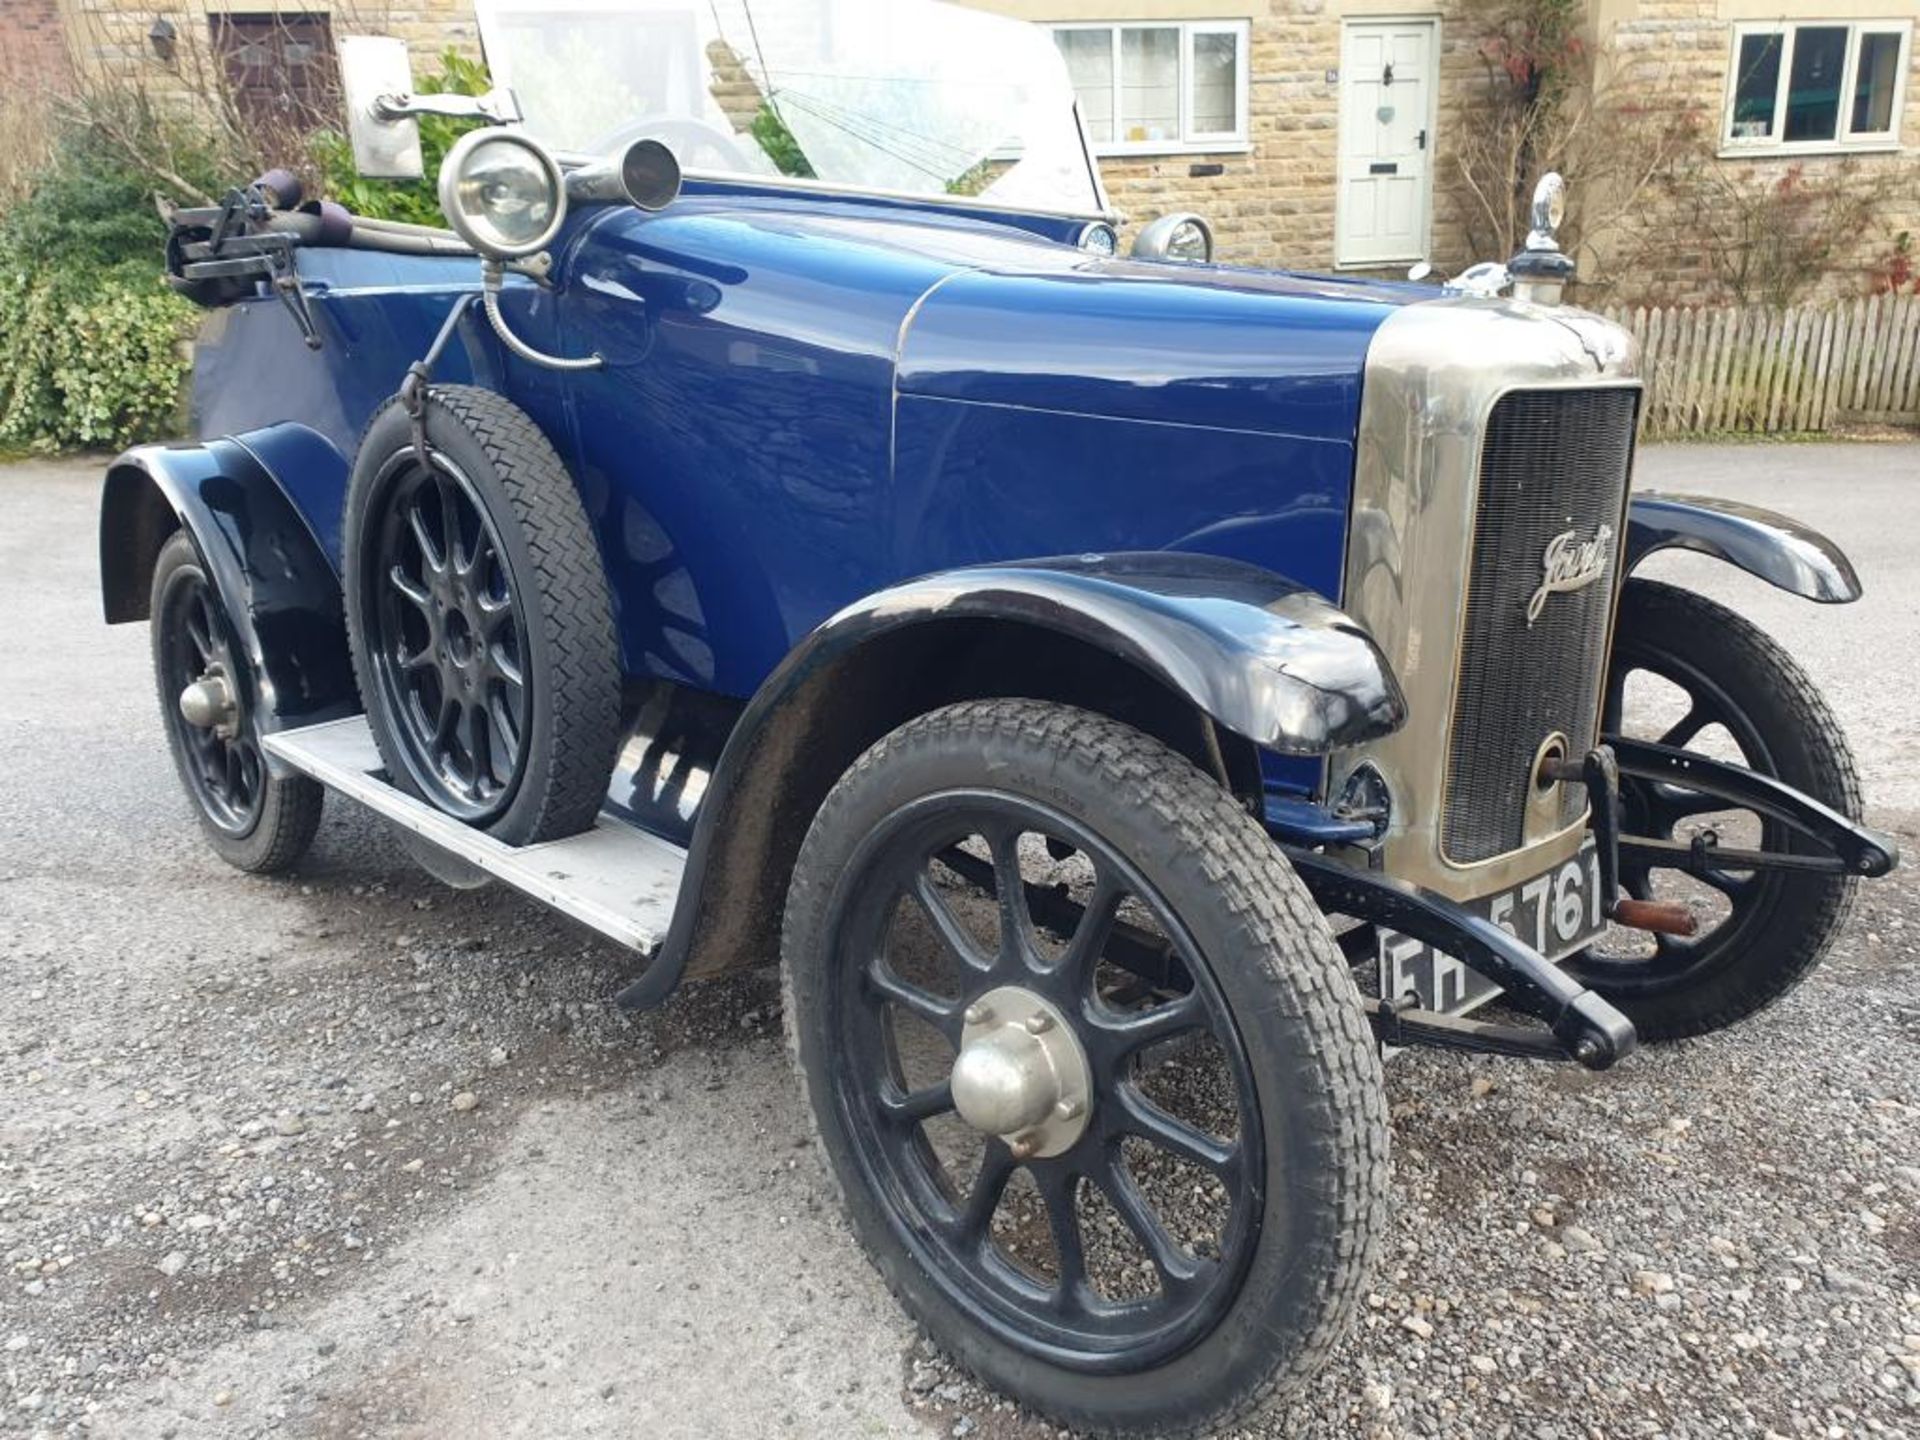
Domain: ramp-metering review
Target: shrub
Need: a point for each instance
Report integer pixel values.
(1894, 273)
(93, 338)
(1766, 238)
(85, 212)
(773, 136)
(99, 365)
(415, 201)
(93, 353)
(1545, 102)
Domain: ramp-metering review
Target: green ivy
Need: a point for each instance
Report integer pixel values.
(93, 340)
(92, 210)
(773, 136)
(97, 366)
(415, 201)
(92, 344)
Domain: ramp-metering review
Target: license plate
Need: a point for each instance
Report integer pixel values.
(1557, 913)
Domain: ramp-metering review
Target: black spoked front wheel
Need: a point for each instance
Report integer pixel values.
(255, 821)
(1086, 1064)
(1043, 1055)
(1687, 672)
(451, 647)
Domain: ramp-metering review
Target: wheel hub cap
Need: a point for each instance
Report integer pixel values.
(1020, 1073)
(207, 704)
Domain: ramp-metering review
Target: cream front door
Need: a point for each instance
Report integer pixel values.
(1386, 141)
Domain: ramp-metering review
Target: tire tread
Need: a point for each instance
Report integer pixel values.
(291, 810)
(1277, 917)
(570, 582)
(1834, 779)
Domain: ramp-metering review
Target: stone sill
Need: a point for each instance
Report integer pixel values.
(1162, 150)
(1805, 148)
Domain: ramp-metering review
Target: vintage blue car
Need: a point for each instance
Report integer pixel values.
(774, 523)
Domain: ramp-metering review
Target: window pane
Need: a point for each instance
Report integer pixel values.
(1216, 83)
(1756, 84)
(1873, 84)
(1089, 56)
(1150, 84)
(1813, 86)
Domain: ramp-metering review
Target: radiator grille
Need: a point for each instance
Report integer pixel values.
(1554, 461)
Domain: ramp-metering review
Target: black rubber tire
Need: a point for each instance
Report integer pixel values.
(573, 663)
(289, 813)
(1756, 958)
(1270, 951)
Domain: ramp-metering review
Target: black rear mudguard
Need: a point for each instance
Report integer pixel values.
(279, 588)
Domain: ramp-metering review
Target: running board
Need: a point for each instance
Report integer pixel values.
(614, 878)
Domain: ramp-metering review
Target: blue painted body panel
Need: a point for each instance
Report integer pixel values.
(807, 399)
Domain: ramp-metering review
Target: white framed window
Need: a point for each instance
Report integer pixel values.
(1159, 87)
(1814, 86)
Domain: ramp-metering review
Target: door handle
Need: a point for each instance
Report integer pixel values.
(1421, 140)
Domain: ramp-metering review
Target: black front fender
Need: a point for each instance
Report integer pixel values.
(1147, 636)
(1774, 547)
(279, 588)
(1266, 658)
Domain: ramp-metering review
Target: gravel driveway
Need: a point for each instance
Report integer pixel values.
(358, 1155)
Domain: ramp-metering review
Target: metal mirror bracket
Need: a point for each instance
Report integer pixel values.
(496, 107)
(376, 77)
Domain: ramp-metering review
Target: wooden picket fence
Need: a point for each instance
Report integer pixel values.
(1765, 370)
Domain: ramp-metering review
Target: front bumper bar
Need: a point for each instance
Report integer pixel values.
(1853, 849)
(1579, 1024)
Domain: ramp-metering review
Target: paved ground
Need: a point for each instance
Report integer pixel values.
(236, 1195)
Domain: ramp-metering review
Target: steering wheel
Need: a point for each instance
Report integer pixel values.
(687, 138)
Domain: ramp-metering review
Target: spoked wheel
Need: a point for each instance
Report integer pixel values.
(1689, 673)
(1033, 1041)
(451, 664)
(255, 821)
(480, 620)
(1086, 1064)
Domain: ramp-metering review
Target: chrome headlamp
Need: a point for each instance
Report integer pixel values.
(1180, 236)
(503, 193)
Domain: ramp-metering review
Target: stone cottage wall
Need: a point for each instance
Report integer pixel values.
(1676, 54)
(111, 35)
(33, 44)
(1274, 205)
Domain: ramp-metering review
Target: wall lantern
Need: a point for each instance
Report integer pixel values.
(162, 37)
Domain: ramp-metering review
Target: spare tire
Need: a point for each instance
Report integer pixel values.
(480, 618)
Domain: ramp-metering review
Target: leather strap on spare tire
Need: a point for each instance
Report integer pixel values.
(480, 617)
